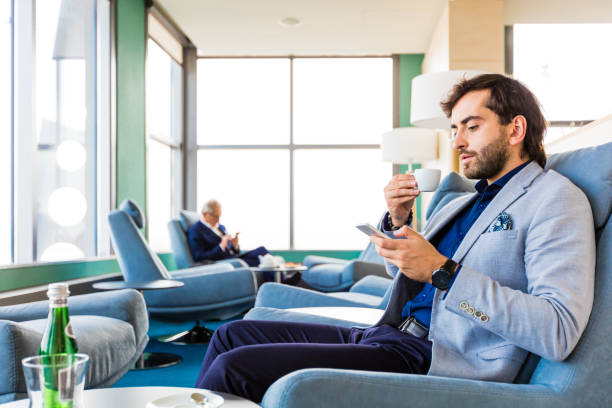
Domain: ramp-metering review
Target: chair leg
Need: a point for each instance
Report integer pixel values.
(196, 335)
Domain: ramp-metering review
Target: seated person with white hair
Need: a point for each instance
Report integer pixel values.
(209, 240)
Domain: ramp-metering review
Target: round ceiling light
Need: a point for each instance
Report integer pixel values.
(289, 22)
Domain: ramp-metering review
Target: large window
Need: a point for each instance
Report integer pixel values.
(164, 133)
(290, 147)
(6, 76)
(60, 62)
(567, 67)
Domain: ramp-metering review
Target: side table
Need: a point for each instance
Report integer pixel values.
(147, 360)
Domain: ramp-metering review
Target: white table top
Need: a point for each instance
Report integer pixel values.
(137, 397)
(365, 315)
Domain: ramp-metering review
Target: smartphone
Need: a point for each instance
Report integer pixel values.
(368, 229)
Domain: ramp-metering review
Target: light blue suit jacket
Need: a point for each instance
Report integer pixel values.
(528, 289)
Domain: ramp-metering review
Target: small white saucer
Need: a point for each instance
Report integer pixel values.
(184, 401)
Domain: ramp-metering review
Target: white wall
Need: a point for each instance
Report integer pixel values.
(438, 53)
(557, 12)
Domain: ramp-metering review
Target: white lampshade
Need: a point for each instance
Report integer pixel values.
(408, 144)
(428, 90)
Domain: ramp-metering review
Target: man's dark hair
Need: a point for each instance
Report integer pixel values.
(508, 99)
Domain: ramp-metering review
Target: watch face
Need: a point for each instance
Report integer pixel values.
(440, 279)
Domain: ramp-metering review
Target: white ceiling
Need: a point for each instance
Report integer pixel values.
(329, 27)
(344, 27)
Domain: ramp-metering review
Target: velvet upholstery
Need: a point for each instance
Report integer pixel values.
(215, 291)
(110, 327)
(581, 380)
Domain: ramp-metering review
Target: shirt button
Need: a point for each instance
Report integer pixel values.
(484, 318)
(470, 310)
(463, 305)
(478, 313)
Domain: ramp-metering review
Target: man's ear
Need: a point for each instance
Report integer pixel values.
(517, 129)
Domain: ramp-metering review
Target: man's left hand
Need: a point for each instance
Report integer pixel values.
(414, 256)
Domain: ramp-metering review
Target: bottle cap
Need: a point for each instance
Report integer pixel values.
(58, 290)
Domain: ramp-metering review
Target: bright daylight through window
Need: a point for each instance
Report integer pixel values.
(567, 66)
(55, 166)
(164, 132)
(298, 141)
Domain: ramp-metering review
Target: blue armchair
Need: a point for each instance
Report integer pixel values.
(582, 380)
(110, 327)
(333, 275)
(178, 230)
(216, 291)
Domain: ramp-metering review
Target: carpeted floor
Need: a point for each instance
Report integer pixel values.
(183, 374)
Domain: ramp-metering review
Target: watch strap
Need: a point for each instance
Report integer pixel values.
(391, 227)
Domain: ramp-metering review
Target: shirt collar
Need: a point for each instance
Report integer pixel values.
(213, 228)
(483, 185)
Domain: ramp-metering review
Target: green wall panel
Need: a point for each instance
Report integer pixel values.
(40, 274)
(410, 65)
(298, 256)
(131, 153)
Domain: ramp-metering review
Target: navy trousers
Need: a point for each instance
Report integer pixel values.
(245, 357)
(252, 257)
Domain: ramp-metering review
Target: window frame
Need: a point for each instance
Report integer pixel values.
(293, 147)
(173, 43)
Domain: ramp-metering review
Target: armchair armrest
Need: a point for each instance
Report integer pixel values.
(317, 387)
(208, 285)
(280, 296)
(361, 269)
(127, 305)
(235, 262)
(313, 260)
(200, 269)
(295, 315)
(372, 285)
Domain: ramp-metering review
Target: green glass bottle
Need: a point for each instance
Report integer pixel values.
(57, 339)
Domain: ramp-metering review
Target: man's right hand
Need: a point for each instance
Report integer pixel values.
(400, 194)
(225, 241)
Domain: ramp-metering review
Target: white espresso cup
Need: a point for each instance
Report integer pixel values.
(427, 179)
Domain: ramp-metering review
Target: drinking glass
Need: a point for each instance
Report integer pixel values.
(55, 380)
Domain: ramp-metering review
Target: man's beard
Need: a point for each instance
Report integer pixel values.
(489, 161)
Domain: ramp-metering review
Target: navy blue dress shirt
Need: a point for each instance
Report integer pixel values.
(448, 239)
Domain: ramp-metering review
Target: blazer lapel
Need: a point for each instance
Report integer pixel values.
(510, 192)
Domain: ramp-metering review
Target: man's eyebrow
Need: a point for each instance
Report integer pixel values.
(466, 120)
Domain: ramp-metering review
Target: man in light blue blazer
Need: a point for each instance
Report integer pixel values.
(496, 274)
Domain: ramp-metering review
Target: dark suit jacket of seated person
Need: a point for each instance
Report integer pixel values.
(209, 241)
(496, 274)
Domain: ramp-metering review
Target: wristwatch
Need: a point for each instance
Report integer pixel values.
(441, 277)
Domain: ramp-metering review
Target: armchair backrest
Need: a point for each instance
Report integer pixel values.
(451, 187)
(136, 260)
(180, 245)
(179, 230)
